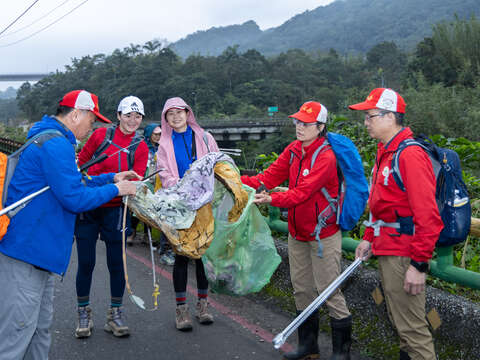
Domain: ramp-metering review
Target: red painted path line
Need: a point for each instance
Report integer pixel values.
(225, 310)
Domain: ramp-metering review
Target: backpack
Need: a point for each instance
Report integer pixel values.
(108, 140)
(353, 191)
(451, 193)
(7, 169)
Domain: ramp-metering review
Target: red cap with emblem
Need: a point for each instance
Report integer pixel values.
(83, 100)
(311, 112)
(384, 99)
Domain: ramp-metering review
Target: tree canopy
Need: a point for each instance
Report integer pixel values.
(439, 80)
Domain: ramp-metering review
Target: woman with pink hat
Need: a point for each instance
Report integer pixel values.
(181, 143)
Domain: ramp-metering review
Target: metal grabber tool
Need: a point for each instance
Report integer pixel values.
(280, 339)
(137, 300)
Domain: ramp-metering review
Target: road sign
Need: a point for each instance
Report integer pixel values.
(272, 109)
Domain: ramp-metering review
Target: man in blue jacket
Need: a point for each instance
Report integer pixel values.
(39, 239)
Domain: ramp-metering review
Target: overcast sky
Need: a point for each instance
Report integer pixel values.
(101, 26)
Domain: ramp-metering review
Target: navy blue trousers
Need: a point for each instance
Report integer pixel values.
(106, 222)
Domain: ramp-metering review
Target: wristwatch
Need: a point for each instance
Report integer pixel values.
(420, 266)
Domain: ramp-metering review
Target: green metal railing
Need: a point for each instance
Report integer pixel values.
(441, 268)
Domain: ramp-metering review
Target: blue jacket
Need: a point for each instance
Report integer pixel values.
(41, 234)
(182, 145)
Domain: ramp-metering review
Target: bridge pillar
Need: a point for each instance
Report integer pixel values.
(263, 135)
(225, 135)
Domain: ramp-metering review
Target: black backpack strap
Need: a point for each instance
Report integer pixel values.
(395, 164)
(194, 146)
(107, 141)
(137, 139)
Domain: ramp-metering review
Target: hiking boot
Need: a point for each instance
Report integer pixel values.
(202, 314)
(182, 318)
(85, 322)
(115, 323)
(167, 258)
(130, 239)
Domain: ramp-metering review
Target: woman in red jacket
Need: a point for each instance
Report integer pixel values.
(313, 264)
(105, 221)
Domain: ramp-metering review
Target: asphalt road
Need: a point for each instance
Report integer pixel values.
(243, 328)
(237, 332)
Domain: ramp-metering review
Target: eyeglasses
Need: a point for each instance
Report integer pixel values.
(369, 117)
(301, 123)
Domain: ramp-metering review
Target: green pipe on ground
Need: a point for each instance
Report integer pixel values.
(441, 268)
(274, 222)
(444, 269)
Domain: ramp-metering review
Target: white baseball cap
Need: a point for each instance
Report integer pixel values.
(130, 104)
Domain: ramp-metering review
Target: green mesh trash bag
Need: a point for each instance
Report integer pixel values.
(242, 256)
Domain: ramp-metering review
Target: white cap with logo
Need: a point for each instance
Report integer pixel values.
(130, 104)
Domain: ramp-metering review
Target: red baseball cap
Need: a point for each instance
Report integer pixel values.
(381, 98)
(83, 100)
(311, 112)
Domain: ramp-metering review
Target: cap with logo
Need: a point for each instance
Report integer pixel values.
(384, 99)
(130, 104)
(83, 100)
(311, 112)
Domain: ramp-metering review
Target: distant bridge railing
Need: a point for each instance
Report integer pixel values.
(9, 146)
(220, 123)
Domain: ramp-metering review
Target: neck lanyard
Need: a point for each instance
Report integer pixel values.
(191, 155)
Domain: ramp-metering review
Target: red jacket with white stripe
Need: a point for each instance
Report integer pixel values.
(387, 201)
(303, 199)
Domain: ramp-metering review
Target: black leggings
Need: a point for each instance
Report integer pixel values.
(106, 222)
(180, 274)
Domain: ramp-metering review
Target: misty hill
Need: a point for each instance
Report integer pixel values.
(348, 26)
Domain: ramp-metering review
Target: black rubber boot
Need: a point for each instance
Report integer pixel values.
(404, 355)
(307, 340)
(341, 338)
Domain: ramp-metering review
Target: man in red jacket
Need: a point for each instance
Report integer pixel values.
(313, 264)
(403, 252)
(106, 220)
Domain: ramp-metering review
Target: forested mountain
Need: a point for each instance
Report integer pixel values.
(215, 40)
(439, 80)
(348, 26)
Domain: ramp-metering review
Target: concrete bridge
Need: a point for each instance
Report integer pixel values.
(225, 131)
(231, 130)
